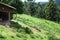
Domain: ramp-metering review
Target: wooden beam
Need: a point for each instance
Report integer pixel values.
(9, 18)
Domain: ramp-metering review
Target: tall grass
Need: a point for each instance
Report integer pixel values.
(50, 27)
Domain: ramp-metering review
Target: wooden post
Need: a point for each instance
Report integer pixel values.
(9, 18)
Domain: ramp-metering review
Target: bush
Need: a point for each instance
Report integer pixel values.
(28, 31)
(2, 37)
(15, 25)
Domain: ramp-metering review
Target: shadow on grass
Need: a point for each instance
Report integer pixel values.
(20, 28)
(2, 37)
(15, 25)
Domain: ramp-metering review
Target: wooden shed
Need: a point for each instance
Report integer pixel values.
(6, 13)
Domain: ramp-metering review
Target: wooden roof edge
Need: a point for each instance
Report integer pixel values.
(8, 5)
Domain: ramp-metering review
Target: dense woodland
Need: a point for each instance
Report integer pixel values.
(50, 11)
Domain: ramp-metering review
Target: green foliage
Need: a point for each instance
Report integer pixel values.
(7, 1)
(46, 30)
(26, 8)
(29, 0)
(18, 4)
(51, 11)
(39, 11)
(15, 25)
(32, 7)
(28, 31)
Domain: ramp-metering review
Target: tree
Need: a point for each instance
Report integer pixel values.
(51, 11)
(39, 11)
(7, 1)
(26, 8)
(29, 0)
(32, 7)
(18, 4)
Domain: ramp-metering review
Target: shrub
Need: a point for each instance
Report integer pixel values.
(15, 25)
(28, 31)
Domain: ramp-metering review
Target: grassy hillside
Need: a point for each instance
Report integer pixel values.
(25, 27)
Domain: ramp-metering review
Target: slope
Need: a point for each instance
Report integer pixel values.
(40, 24)
(25, 27)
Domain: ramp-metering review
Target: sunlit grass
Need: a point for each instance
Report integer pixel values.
(52, 28)
(19, 29)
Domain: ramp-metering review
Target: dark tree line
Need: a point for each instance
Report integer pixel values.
(30, 7)
(51, 11)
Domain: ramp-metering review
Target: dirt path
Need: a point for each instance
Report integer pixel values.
(34, 30)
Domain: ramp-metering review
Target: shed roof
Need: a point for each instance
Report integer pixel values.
(8, 5)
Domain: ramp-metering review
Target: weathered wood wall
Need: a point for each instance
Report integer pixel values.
(4, 8)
